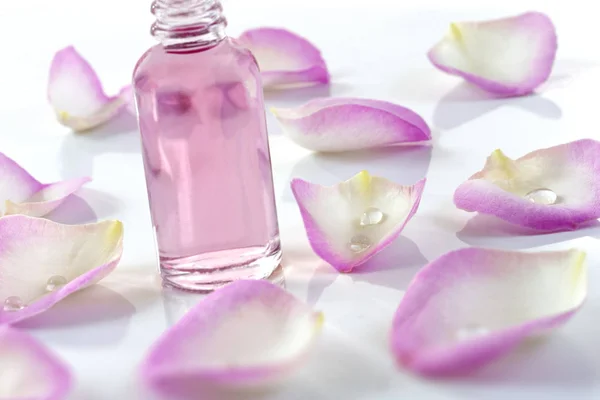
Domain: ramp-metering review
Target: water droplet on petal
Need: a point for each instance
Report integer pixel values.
(55, 282)
(542, 196)
(471, 332)
(372, 216)
(13, 303)
(360, 243)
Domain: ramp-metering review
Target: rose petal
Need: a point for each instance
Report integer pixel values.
(343, 124)
(285, 58)
(471, 306)
(127, 96)
(248, 332)
(76, 94)
(332, 216)
(37, 252)
(20, 193)
(504, 187)
(509, 57)
(29, 370)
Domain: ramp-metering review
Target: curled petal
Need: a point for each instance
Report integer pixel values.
(20, 193)
(343, 124)
(76, 94)
(350, 222)
(471, 306)
(29, 370)
(508, 57)
(42, 262)
(550, 189)
(248, 332)
(285, 58)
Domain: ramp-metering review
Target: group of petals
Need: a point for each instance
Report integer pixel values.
(461, 311)
(41, 263)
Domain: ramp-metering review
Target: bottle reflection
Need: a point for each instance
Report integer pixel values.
(177, 303)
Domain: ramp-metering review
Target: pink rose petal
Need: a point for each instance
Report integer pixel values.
(509, 57)
(249, 332)
(29, 371)
(36, 254)
(472, 306)
(127, 96)
(352, 221)
(76, 94)
(506, 188)
(344, 124)
(20, 193)
(285, 58)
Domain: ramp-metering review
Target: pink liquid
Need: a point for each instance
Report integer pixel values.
(207, 163)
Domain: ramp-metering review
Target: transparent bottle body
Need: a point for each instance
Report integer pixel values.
(207, 164)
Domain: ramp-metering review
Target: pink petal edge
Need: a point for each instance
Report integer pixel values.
(537, 23)
(348, 124)
(285, 58)
(322, 245)
(418, 324)
(480, 195)
(16, 229)
(191, 348)
(23, 194)
(44, 367)
(76, 93)
(54, 194)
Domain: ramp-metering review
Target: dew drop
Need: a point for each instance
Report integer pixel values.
(55, 282)
(360, 243)
(542, 196)
(13, 303)
(372, 216)
(471, 331)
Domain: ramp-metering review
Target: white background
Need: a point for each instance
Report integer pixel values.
(375, 49)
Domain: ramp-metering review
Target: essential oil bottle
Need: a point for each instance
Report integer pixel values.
(205, 149)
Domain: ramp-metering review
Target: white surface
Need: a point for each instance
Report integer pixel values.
(376, 52)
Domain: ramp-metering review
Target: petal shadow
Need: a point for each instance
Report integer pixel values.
(487, 231)
(394, 267)
(548, 362)
(83, 311)
(78, 150)
(87, 206)
(291, 97)
(74, 210)
(401, 164)
(466, 102)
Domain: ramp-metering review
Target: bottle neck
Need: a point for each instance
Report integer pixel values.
(188, 25)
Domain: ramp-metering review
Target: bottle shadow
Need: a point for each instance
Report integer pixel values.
(79, 150)
(466, 102)
(488, 231)
(405, 165)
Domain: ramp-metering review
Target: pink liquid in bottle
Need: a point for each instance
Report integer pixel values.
(206, 155)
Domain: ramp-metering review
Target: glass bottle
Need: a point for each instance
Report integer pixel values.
(205, 149)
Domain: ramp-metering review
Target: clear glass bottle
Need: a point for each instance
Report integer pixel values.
(205, 149)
